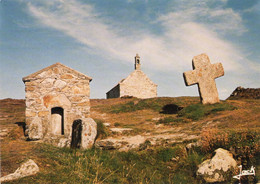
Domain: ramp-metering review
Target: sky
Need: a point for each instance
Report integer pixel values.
(101, 38)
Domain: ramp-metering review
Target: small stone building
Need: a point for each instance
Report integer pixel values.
(137, 84)
(58, 107)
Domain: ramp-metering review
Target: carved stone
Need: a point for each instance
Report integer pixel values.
(204, 74)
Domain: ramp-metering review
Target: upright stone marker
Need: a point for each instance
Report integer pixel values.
(204, 74)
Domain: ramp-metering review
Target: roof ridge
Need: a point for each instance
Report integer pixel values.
(49, 67)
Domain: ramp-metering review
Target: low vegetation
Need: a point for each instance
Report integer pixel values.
(234, 126)
(102, 130)
(199, 111)
(162, 105)
(171, 164)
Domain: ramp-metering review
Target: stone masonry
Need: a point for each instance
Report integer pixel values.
(204, 74)
(56, 97)
(137, 84)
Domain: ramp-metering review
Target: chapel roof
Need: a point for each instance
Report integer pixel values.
(34, 75)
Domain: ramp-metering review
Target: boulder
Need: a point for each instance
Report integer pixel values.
(26, 169)
(213, 170)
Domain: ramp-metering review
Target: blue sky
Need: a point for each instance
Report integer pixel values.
(101, 38)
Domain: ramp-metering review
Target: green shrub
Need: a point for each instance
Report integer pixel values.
(198, 111)
(102, 131)
(155, 104)
(117, 124)
(166, 154)
(244, 144)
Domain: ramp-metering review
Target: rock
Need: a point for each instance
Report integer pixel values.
(56, 100)
(213, 170)
(47, 83)
(156, 119)
(191, 146)
(204, 74)
(63, 142)
(245, 93)
(107, 124)
(120, 130)
(60, 84)
(26, 169)
(122, 144)
(89, 133)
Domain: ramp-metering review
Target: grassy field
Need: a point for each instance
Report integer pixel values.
(233, 125)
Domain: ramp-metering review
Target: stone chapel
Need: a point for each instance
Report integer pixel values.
(137, 84)
(58, 107)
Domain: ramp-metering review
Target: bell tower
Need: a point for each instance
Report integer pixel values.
(137, 62)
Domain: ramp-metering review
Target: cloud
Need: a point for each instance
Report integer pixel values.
(188, 30)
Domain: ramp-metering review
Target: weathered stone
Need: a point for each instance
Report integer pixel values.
(59, 84)
(43, 113)
(84, 104)
(213, 170)
(54, 104)
(26, 169)
(89, 133)
(107, 124)
(245, 93)
(120, 130)
(35, 128)
(29, 88)
(77, 90)
(204, 74)
(44, 74)
(76, 98)
(66, 76)
(29, 113)
(56, 100)
(47, 83)
(137, 84)
(63, 142)
(56, 70)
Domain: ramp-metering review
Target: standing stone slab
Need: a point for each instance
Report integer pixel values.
(204, 74)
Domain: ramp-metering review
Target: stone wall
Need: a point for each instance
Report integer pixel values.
(114, 92)
(137, 84)
(57, 88)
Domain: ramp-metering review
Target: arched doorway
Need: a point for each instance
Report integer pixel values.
(76, 134)
(57, 121)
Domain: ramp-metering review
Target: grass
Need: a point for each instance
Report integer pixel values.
(170, 120)
(102, 131)
(199, 111)
(97, 166)
(155, 104)
(153, 165)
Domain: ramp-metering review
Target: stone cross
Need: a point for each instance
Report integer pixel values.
(204, 74)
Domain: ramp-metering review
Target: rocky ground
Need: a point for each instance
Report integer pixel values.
(124, 129)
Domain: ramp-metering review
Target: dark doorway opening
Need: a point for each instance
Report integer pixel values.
(76, 134)
(57, 120)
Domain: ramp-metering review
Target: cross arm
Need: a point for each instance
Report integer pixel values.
(190, 77)
(218, 70)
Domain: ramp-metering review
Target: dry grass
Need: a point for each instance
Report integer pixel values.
(225, 125)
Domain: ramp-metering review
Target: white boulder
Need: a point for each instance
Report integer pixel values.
(213, 170)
